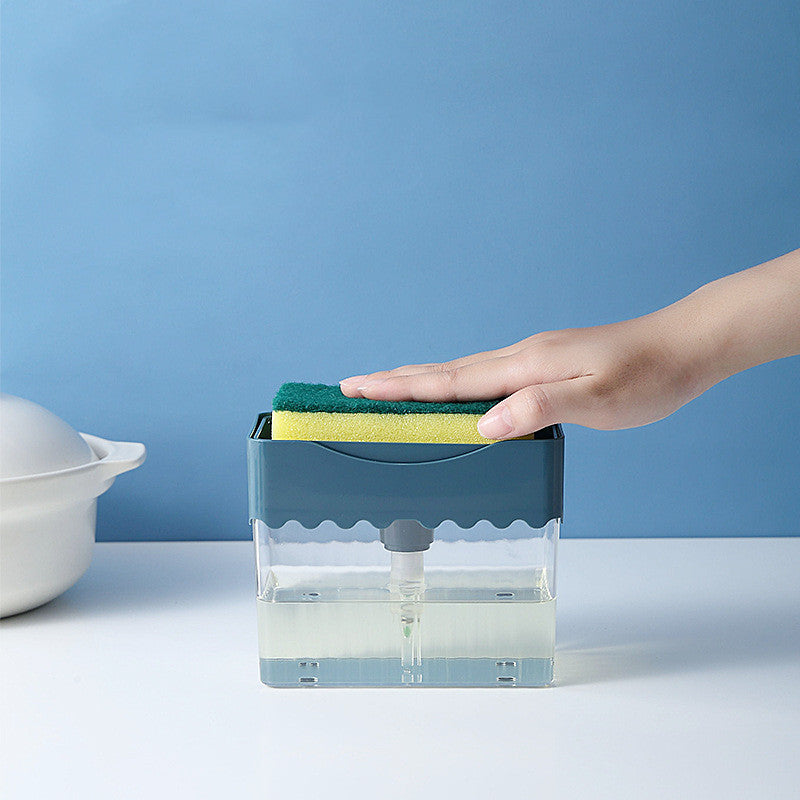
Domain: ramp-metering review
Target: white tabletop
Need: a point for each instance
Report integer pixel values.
(678, 676)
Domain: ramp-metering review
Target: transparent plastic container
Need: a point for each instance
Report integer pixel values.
(406, 564)
(337, 608)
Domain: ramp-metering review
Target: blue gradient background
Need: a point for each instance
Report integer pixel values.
(200, 201)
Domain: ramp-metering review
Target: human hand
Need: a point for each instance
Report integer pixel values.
(612, 376)
(619, 375)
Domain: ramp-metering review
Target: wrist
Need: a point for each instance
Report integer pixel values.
(693, 344)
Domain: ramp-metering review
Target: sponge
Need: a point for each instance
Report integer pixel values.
(318, 412)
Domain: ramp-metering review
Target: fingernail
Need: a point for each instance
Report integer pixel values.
(350, 383)
(495, 424)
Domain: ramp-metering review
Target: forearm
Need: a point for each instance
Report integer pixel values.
(738, 321)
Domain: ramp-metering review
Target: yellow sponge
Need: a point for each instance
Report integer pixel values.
(318, 412)
(323, 426)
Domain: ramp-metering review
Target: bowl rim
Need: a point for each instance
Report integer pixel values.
(122, 456)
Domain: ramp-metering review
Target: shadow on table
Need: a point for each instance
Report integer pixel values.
(128, 577)
(641, 645)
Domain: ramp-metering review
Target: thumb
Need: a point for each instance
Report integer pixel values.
(535, 407)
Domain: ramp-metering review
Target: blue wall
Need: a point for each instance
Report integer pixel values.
(200, 201)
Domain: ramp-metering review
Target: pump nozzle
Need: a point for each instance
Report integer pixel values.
(407, 540)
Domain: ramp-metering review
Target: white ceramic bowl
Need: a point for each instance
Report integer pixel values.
(50, 479)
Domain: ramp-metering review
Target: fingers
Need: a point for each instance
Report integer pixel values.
(537, 406)
(481, 380)
(351, 386)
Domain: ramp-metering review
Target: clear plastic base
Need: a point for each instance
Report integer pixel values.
(474, 672)
(337, 608)
(496, 634)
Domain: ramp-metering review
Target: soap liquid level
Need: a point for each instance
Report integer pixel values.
(481, 635)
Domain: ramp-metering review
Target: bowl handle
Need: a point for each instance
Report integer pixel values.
(115, 457)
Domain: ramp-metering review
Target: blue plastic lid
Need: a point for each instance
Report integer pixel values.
(381, 482)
